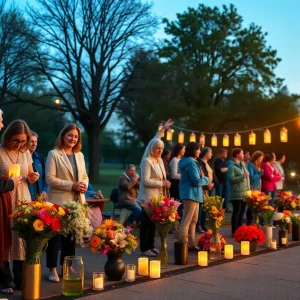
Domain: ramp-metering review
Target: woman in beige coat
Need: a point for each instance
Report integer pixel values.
(153, 182)
(67, 179)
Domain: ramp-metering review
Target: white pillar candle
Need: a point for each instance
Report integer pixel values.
(228, 251)
(283, 241)
(130, 273)
(202, 258)
(273, 245)
(143, 263)
(98, 281)
(245, 247)
(155, 269)
(14, 170)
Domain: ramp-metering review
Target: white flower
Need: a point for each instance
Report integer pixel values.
(278, 216)
(119, 240)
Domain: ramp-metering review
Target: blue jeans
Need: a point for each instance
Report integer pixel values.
(136, 210)
(222, 191)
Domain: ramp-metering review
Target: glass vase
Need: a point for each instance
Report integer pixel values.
(215, 247)
(163, 252)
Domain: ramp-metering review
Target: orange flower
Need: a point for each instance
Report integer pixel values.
(38, 225)
(94, 250)
(95, 242)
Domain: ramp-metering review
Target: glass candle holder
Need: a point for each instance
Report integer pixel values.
(273, 245)
(130, 273)
(98, 281)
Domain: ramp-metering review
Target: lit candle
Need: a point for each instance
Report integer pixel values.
(202, 258)
(228, 251)
(245, 247)
(14, 170)
(143, 263)
(273, 245)
(98, 281)
(155, 269)
(283, 241)
(130, 273)
(248, 194)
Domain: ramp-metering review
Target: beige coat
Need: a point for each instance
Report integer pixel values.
(60, 177)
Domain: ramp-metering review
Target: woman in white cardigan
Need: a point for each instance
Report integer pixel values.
(67, 179)
(153, 182)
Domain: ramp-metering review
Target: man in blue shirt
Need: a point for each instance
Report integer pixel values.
(38, 164)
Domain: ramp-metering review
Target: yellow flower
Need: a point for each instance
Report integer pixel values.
(98, 231)
(61, 211)
(38, 225)
(37, 204)
(293, 204)
(14, 214)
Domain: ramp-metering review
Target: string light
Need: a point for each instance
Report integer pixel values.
(193, 137)
(169, 134)
(181, 137)
(214, 141)
(160, 126)
(237, 140)
(225, 140)
(267, 136)
(202, 140)
(283, 135)
(252, 138)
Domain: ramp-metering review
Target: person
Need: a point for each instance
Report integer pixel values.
(153, 182)
(91, 193)
(14, 150)
(255, 174)
(270, 177)
(6, 186)
(38, 165)
(221, 168)
(166, 155)
(177, 154)
(128, 185)
(68, 181)
(238, 184)
(205, 165)
(191, 182)
(278, 166)
(247, 157)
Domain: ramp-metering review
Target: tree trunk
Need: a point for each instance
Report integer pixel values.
(93, 134)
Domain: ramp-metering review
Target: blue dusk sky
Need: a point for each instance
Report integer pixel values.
(279, 18)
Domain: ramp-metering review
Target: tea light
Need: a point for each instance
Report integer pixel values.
(228, 251)
(202, 258)
(143, 263)
(130, 273)
(98, 281)
(245, 247)
(249, 194)
(155, 269)
(14, 170)
(273, 245)
(283, 241)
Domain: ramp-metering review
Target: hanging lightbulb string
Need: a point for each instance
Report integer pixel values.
(233, 132)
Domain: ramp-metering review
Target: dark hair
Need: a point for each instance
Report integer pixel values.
(279, 156)
(60, 140)
(268, 157)
(236, 151)
(255, 156)
(34, 134)
(14, 128)
(246, 151)
(222, 150)
(129, 166)
(177, 148)
(191, 148)
(165, 153)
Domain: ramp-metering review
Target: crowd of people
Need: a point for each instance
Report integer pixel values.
(186, 173)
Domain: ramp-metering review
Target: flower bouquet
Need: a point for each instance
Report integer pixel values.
(283, 218)
(204, 240)
(78, 221)
(256, 200)
(163, 212)
(250, 233)
(213, 206)
(287, 201)
(267, 213)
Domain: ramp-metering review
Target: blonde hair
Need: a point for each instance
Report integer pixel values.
(60, 140)
(151, 145)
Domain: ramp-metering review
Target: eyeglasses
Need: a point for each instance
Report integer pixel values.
(17, 142)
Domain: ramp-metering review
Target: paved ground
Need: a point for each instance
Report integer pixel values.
(274, 275)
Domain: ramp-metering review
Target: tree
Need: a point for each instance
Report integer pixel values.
(215, 56)
(85, 46)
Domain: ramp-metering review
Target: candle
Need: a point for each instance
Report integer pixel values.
(143, 266)
(155, 269)
(273, 245)
(14, 170)
(202, 258)
(130, 273)
(228, 251)
(245, 247)
(248, 194)
(283, 241)
(98, 281)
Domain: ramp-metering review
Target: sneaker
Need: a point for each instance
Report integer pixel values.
(148, 253)
(53, 276)
(154, 250)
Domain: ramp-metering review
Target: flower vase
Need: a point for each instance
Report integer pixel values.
(163, 252)
(268, 236)
(253, 246)
(181, 253)
(283, 234)
(289, 228)
(296, 233)
(114, 268)
(215, 247)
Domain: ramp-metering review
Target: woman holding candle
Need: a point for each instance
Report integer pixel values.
(14, 152)
(191, 182)
(153, 182)
(67, 180)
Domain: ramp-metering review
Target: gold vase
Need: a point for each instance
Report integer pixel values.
(31, 282)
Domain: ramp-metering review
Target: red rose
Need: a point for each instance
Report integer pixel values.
(47, 219)
(55, 205)
(67, 211)
(56, 225)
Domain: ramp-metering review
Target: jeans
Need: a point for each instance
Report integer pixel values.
(239, 207)
(222, 191)
(135, 209)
